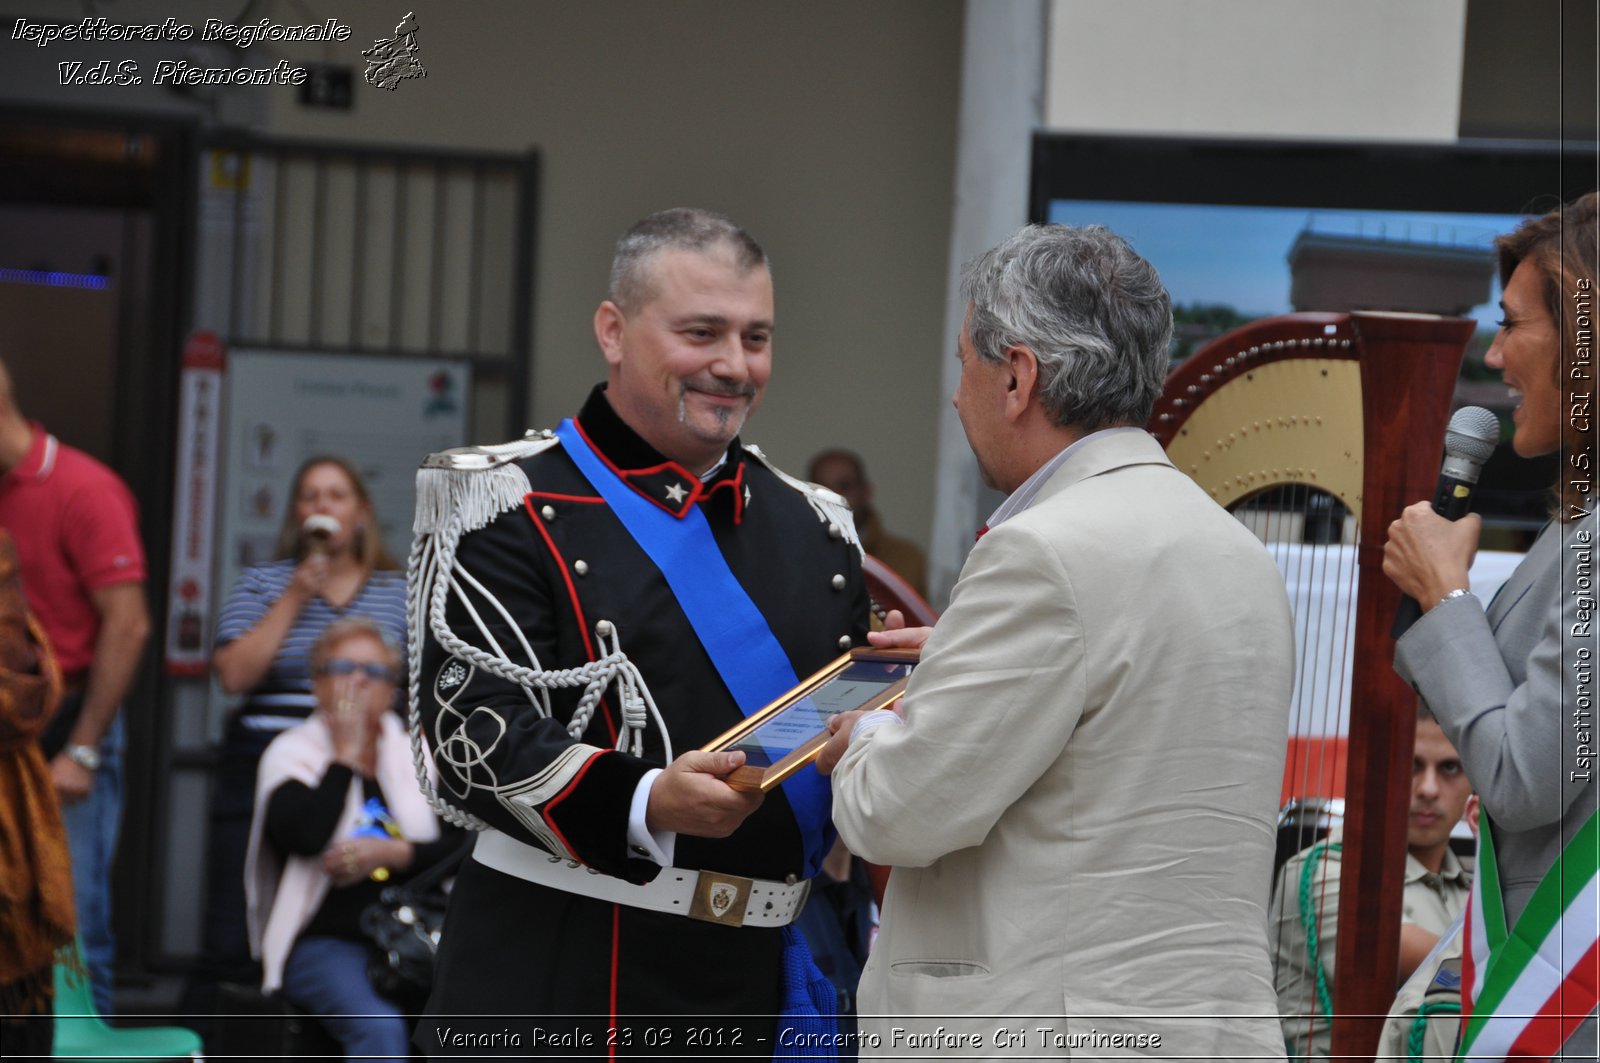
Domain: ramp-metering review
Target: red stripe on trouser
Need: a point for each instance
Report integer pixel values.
(616, 941)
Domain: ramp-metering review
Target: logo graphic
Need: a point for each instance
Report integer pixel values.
(453, 676)
(391, 60)
(723, 894)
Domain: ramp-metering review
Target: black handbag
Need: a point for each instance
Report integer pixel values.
(403, 927)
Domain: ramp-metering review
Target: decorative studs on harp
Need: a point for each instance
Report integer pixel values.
(1238, 363)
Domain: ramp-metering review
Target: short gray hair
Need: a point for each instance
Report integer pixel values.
(682, 229)
(1093, 312)
(352, 627)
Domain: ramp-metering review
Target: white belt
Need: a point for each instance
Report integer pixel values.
(712, 896)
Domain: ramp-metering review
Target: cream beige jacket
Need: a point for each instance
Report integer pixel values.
(1079, 809)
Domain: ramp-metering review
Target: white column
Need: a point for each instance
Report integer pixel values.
(1002, 95)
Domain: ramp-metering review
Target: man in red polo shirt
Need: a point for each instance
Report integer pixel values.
(75, 525)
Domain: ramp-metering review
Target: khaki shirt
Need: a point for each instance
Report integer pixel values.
(1436, 981)
(1429, 901)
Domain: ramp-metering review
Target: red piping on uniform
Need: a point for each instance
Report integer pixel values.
(577, 607)
(736, 484)
(550, 805)
(642, 472)
(616, 943)
(567, 498)
(696, 488)
(651, 470)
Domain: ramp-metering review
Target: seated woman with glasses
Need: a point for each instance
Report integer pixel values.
(338, 814)
(331, 564)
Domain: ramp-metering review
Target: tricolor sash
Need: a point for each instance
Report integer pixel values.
(1525, 990)
(735, 635)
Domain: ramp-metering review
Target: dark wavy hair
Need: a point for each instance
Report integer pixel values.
(1564, 245)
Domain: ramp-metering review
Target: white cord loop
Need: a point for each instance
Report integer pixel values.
(466, 489)
(431, 578)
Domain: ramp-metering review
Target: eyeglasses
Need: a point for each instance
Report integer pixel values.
(342, 666)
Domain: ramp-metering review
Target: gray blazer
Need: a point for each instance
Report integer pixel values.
(1503, 684)
(1079, 808)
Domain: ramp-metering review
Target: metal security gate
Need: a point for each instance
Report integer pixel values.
(337, 250)
(341, 252)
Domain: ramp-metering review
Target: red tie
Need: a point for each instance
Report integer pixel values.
(981, 533)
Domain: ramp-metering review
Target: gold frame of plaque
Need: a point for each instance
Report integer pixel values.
(764, 777)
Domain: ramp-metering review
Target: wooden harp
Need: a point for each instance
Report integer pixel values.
(888, 590)
(1316, 430)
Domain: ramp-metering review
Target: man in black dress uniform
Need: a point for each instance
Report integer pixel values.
(600, 602)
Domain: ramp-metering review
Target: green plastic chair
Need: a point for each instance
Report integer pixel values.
(81, 1033)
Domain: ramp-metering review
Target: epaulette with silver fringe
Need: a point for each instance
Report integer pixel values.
(475, 484)
(460, 491)
(829, 506)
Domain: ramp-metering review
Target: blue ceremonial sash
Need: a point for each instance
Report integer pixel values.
(735, 635)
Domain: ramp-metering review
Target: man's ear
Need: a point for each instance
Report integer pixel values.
(609, 325)
(1022, 365)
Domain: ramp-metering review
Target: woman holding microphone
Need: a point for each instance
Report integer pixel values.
(1507, 679)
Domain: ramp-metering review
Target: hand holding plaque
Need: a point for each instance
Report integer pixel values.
(788, 734)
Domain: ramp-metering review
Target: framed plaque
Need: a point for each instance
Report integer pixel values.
(788, 734)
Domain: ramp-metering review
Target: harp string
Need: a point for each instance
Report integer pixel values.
(1311, 537)
(1333, 403)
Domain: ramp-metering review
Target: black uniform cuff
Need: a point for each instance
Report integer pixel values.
(592, 816)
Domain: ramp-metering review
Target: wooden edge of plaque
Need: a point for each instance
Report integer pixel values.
(765, 779)
(806, 754)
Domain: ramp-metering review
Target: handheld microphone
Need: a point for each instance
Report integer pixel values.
(1468, 441)
(318, 529)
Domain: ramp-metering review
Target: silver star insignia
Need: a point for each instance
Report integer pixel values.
(747, 494)
(676, 493)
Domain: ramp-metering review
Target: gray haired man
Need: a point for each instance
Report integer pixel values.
(1077, 794)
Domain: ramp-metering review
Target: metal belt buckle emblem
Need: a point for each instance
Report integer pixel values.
(720, 898)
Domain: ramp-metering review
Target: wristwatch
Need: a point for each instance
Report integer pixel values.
(1459, 592)
(86, 757)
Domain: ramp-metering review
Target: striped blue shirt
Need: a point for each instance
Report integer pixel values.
(286, 688)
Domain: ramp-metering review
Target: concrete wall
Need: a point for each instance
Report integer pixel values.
(827, 128)
(1363, 69)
